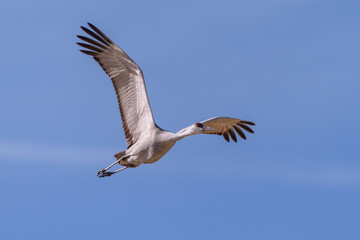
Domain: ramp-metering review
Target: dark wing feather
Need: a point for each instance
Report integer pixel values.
(225, 126)
(128, 81)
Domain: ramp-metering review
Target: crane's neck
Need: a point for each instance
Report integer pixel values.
(188, 131)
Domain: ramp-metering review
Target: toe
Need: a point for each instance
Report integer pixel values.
(100, 172)
(106, 174)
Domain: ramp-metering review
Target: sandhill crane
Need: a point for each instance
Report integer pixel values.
(147, 142)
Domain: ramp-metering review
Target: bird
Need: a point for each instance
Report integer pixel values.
(146, 141)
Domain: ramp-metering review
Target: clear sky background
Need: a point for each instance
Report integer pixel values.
(292, 67)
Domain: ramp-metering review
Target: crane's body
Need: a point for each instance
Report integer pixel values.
(147, 142)
(151, 150)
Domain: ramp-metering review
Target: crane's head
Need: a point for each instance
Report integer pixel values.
(199, 128)
(193, 129)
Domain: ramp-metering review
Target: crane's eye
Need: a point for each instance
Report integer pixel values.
(200, 125)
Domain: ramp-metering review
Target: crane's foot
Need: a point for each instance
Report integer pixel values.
(101, 172)
(105, 174)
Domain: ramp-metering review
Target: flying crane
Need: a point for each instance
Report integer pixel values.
(147, 142)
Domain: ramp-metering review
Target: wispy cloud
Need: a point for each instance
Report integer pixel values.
(50, 153)
(305, 173)
(287, 172)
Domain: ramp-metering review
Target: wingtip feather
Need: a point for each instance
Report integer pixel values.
(88, 52)
(240, 132)
(246, 128)
(226, 136)
(232, 135)
(248, 122)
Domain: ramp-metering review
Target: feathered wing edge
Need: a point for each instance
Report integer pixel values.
(95, 47)
(225, 126)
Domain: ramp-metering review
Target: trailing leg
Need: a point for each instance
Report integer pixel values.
(102, 171)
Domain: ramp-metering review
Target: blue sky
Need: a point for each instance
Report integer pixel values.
(292, 67)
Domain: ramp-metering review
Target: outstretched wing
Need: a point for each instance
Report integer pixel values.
(128, 81)
(225, 126)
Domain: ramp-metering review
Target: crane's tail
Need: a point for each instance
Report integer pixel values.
(122, 159)
(119, 155)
